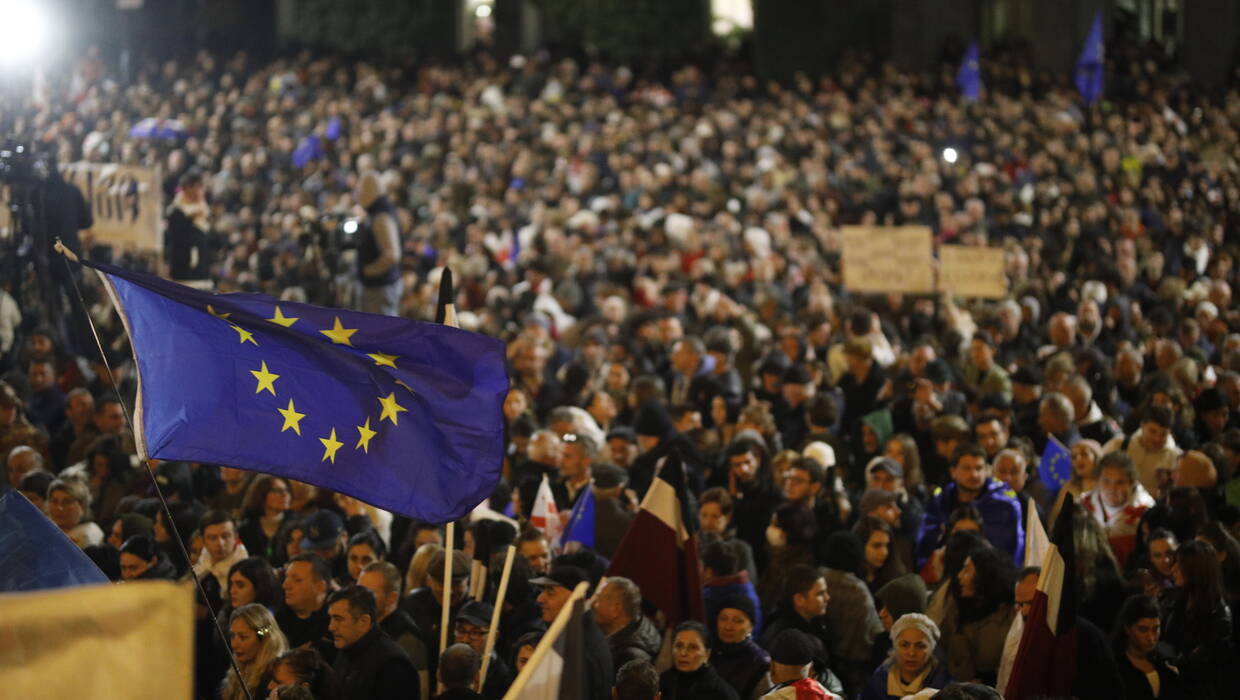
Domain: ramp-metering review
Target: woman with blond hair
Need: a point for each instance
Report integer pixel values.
(415, 575)
(256, 642)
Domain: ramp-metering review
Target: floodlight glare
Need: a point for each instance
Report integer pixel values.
(482, 11)
(27, 32)
(950, 155)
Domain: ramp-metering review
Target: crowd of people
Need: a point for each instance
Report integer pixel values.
(661, 254)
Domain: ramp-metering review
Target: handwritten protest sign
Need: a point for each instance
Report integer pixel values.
(972, 271)
(126, 201)
(888, 259)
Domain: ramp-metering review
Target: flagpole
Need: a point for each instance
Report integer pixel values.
(71, 256)
(493, 632)
(444, 614)
(547, 641)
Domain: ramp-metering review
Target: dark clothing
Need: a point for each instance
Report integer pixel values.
(459, 694)
(1097, 677)
(742, 665)
(375, 668)
(702, 683)
(861, 397)
(637, 641)
(187, 248)
(46, 408)
(368, 248)
(720, 588)
(161, 570)
(600, 671)
(1199, 644)
(816, 629)
(408, 636)
(311, 631)
(1137, 686)
(425, 611)
(754, 502)
(256, 542)
(611, 522)
(876, 687)
(499, 677)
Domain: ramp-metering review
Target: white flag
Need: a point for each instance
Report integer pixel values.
(545, 516)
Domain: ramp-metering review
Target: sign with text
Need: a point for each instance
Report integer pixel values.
(888, 259)
(972, 271)
(125, 200)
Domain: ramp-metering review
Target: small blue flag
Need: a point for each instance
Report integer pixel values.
(333, 129)
(401, 414)
(581, 520)
(1089, 66)
(35, 554)
(309, 149)
(969, 77)
(1055, 468)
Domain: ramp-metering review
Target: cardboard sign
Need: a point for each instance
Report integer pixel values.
(126, 201)
(972, 271)
(888, 259)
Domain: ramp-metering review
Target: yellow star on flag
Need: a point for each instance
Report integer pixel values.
(390, 408)
(222, 316)
(283, 320)
(246, 336)
(339, 334)
(266, 380)
(330, 445)
(292, 419)
(383, 360)
(366, 433)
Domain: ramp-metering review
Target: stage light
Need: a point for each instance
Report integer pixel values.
(26, 28)
(950, 155)
(482, 11)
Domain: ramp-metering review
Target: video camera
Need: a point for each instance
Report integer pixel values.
(19, 164)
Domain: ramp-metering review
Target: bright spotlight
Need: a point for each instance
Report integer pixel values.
(482, 11)
(950, 155)
(27, 32)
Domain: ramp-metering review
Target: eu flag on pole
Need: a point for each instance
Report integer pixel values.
(1089, 66)
(400, 414)
(969, 77)
(1055, 468)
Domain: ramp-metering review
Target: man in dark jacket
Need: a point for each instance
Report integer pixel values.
(748, 482)
(425, 604)
(383, 580)
(972, 484)
(369, 665)
(458, 672)
(618, 612)
(612, 516)
(471, 625)
(557, 587)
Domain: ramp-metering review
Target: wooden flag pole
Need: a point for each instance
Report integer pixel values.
(493, 632)
(445, 613)
(548, 640)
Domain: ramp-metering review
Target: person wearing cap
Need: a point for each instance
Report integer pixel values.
(618, 612)
(425, 605)
(735, 654)
(383, 580)
(727, 381)
(470, 626)
(972, 484)
(557, 587)
(886, 474)
(324, 534)
(656, 438)
(912, 666)
(792, 662)
(369, 664)
(613, 509)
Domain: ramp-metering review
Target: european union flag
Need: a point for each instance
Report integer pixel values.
(969, 77)
(35, 554)
(1055, 468)
(1090, 65)
(400, 414)
(581, 520)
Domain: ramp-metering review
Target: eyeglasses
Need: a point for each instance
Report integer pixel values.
(471, 631)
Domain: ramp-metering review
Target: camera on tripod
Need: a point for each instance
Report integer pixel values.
(19, 164)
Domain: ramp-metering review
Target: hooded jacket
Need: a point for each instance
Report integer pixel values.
(639, 640)
(1002, 523)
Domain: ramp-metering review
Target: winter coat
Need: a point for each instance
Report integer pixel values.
(637, 641)
(702, 683)
(1002, 523)
(974, 648)
(876, 687)
(375, 668)
(742, 664)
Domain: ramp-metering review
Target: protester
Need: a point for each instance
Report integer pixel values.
(370, 664)
(913, 665)
(1144, 672)
(256, 642)
(692, 674)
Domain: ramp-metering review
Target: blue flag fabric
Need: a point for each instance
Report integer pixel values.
(1055, 468)
(401, 414)
(309, 149)
(35, 554)
(581, 520)
(969, 77)
(1090, 65)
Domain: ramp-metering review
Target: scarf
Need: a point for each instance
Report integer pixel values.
(897, 687)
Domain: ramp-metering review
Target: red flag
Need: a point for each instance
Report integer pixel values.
(1045, 662)
(660, 553)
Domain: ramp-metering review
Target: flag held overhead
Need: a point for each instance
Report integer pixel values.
(401, 414)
